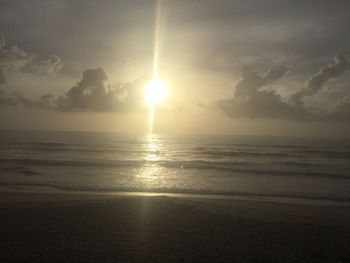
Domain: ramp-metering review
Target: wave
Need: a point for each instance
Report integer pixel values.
(90, 150)
(245, 145)
(246, 168)
(20, 170)
(242, 153)
(73, 163)
(168, 190)
(243, 150)
(285, 153)
(241, 168)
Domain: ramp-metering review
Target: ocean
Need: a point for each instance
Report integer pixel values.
(248, 166)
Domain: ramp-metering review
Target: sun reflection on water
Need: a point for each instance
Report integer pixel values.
(150, 174)
(153, 148)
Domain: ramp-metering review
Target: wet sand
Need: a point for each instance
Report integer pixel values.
(112, 228)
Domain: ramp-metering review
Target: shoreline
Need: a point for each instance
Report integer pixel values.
(228, 205)
(284, 200)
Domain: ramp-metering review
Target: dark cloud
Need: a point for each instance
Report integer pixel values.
(2, 40)
(14, 99)
(248, 85)
(93, 94)
(342, 110)
(250, 100)
(274, 74)
(2, 77)
(2, 74)
(251, 82)
(337, 67)
(262, 104)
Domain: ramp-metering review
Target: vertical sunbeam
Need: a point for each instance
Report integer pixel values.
(159, 20)
(157, 38)
(151, 119)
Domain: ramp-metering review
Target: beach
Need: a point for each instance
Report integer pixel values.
(42, 227)
(174, 131)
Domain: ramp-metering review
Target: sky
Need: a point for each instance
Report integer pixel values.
(262, 67)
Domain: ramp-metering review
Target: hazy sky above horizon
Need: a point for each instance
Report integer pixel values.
(272, 67)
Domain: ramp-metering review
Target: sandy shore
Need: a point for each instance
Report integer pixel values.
(111, 228)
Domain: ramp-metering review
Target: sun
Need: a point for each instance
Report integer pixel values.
(155, 92)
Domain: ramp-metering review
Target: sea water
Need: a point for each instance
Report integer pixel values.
(259, 166)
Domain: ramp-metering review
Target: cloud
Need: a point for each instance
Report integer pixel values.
(52, 66)
(250, 100)
(301, 37)
(337, 67)
(93, 94)
(14, 59)
(262, 104)
(17, 99)
(14, 99)
(2, 40)
(2, 74)
(342, 110)
(2, 77)
(274, 74)
(251, 82)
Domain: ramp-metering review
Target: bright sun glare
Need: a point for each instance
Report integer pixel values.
(155, 92)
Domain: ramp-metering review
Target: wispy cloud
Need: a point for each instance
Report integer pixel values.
(15, 59)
